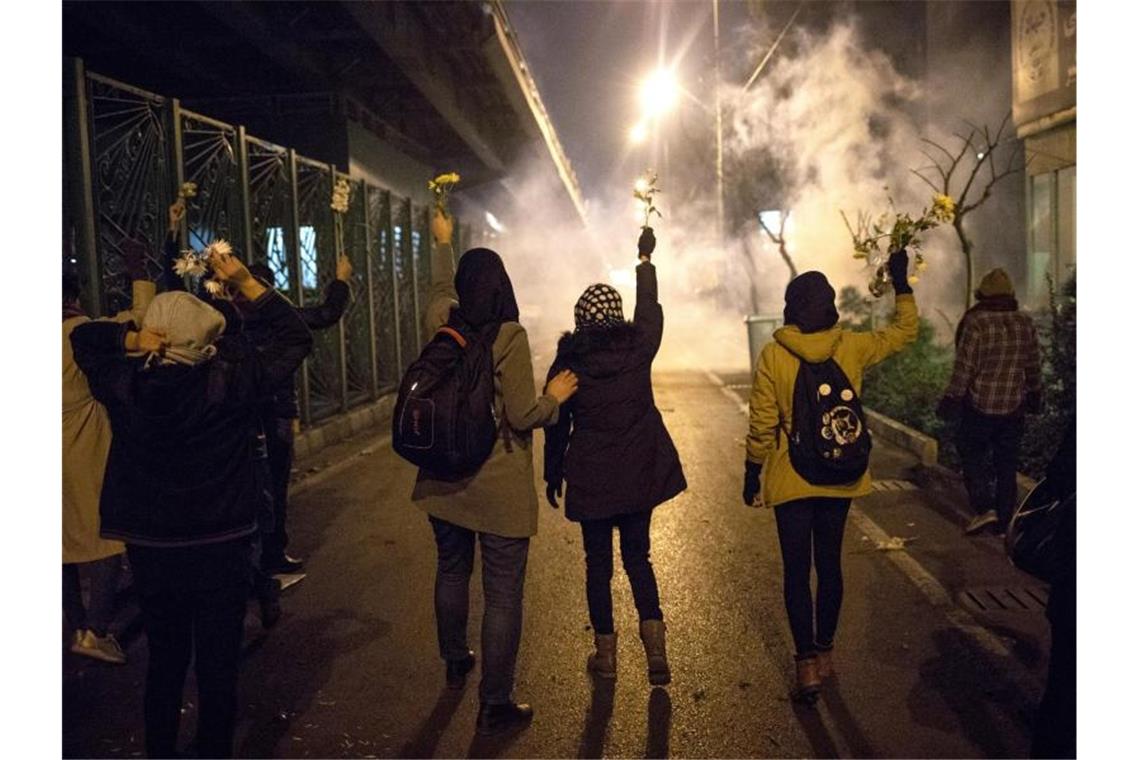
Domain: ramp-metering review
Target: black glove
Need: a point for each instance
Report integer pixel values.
(134, 259)
(949, 408)
(897, 266)
(646, 243)
(751, 482)
(553, 490)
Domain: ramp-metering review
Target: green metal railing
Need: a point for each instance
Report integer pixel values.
(126, 153)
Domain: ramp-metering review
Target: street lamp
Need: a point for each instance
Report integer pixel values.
(638, 132)
(659, 93)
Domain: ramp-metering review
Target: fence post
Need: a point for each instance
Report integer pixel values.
(77, 114)
(178, 174)
(294, 242)
(338, 245)
(243, 188)
(373, 373)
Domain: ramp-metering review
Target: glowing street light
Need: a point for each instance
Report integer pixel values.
(638, 132)
(659, 93)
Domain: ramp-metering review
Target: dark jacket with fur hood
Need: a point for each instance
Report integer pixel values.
(610, 443)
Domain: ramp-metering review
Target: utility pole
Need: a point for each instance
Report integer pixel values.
(719, 124)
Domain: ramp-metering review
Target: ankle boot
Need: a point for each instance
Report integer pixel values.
(808, 682)
(653, 637)
(603, 662)
(826, 669)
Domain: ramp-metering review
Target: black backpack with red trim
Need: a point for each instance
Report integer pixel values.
(444, 420)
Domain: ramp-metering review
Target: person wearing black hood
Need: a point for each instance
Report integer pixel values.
(611, 447)
(280, 411)
(498, 504)
(810, 517)
(183, 484)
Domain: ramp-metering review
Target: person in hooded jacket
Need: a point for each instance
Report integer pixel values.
(182, 485)
(810, 518)
(281, 410)
(498, 504)
(611, 447)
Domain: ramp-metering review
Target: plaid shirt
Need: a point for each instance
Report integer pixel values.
(998, 361)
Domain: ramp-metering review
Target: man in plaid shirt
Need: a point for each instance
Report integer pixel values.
(996, 380)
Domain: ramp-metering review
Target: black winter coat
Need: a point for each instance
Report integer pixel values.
(610, 443)
(182, 468)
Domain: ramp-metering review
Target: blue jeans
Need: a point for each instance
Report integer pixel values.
(504, 571)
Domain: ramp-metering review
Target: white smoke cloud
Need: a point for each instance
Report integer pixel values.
(838, 118)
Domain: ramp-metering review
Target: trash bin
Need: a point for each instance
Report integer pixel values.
(760, 329)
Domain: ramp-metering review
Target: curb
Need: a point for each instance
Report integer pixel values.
(925, 448)
(344, 426)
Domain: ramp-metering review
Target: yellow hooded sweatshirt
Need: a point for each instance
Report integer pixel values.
(774, 381)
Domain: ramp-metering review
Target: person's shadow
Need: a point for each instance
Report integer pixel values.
(593, 742)
(427, 737)
(659, 723)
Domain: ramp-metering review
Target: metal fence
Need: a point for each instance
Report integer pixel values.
(127, 151)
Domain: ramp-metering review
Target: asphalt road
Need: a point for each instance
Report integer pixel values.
(931, 663)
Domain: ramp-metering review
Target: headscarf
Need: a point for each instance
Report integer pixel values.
(486, 297)
(191, 326)
(809, 303)
(599, 306)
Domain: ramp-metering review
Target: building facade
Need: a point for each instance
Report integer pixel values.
(1045, 111)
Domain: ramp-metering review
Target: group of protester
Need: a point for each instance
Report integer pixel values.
(178, 424)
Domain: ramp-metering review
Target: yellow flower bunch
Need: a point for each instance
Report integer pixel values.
(188, 190)
(903, 232)
(441, 186)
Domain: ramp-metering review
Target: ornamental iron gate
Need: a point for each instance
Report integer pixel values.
(128, 152)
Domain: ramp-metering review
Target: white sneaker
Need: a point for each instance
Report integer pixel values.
(986, 518)
(103, 648)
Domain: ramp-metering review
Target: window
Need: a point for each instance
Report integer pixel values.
(1052, 232)
(278, 260)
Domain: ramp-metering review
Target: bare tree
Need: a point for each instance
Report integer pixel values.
(951, 174)
(779, 241)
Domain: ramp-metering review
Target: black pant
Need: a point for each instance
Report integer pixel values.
(504, 572)
(103, 575)
(193, 602)
(978, 434)
(810, 527)
(279, 442)
(597, 538)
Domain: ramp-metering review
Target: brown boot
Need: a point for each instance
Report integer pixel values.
(653, 637)
(603, 662)
(826, 669)
(808, 682)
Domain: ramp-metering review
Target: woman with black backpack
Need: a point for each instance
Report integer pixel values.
(497, 503)
(611, 447)
(815, 464)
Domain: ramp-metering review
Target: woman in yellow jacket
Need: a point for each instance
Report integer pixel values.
(809, 515)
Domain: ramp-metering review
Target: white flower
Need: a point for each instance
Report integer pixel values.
(213, 287)
(189, 263)
(220, 247)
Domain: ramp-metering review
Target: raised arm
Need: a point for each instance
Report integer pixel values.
(442, 297)
(284, 342)
(100, 349)
(903, 329)
(337, 295)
